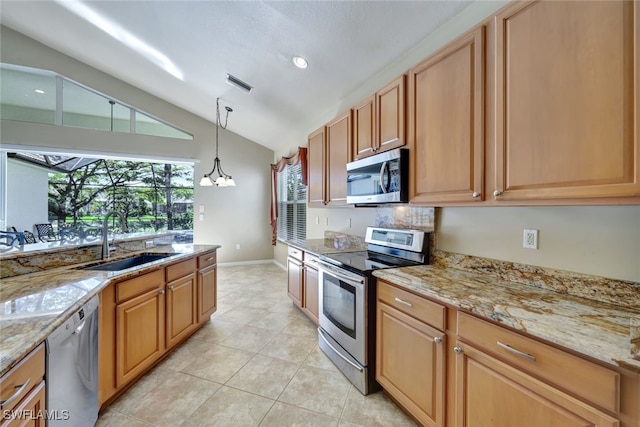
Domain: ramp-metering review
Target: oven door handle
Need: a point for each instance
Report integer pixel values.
(328, 268)
(321, 335)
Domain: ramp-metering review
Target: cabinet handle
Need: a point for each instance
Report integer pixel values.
(17, 393)
(457, 350)
(170, 287)
(516, 352)
(161, 291)
(497, 193)
(437, 340)
(475, 195)
(408, 304)
(210, 258)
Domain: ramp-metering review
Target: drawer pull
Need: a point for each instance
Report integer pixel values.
(15, 395)
(516, 352)
(210, 258)
(437, 340)
(408, 304)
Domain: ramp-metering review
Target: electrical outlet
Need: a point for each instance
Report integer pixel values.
(317, 220)
(238, 246)
(148, 244)
(349, 223)
(201, 209)
(530, 239)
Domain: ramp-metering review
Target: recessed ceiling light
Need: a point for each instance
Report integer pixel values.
(300, 62)
(40, 91)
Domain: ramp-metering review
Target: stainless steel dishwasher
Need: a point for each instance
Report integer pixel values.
(72, 369)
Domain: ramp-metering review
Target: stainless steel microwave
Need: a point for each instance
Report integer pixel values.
(381, 178)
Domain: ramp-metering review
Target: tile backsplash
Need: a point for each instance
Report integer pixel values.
(407, 217)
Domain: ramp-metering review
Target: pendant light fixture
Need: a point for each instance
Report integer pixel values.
(222, 180)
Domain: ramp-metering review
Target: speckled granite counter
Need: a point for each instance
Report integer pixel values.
(33, 305)
(593, 328)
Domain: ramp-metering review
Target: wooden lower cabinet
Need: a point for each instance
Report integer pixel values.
(182, 308)
(446, 367)
(207, 293)
(490, 392)
(310, 292)
(23, 392)
(31, 411)
(294, 281)
(410, 364)
(140, 334)
(144, 317)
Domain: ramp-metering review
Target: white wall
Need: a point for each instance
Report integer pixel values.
(27, 200)
(602, 241)
(244, 209)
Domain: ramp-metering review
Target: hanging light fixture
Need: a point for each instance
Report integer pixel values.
(222, 180)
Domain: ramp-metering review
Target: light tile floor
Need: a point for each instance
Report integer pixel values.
(256, 362)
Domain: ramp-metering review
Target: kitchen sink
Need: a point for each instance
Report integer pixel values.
(127, 262)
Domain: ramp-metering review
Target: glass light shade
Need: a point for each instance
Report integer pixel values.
(221, 182)
(231, 182)
(206, 182)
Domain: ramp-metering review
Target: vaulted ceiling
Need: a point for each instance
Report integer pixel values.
(181, 51)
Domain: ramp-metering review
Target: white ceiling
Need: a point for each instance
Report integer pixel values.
(345, 42)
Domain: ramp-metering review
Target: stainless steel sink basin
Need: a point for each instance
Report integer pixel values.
(123, 264)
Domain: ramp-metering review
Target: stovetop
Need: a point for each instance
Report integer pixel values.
(364, 262)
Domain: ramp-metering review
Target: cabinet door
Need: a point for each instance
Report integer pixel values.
(390, 115)
(182, 308)
(410, 364)
(316, 168)
(446, 123)
(294, 288)
(490, 392)
(310, 294)
(338, 154)
(207, 297)
(140, 334)
(567, 93)
(364, 128)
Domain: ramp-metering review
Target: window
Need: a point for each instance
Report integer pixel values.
(292, 203)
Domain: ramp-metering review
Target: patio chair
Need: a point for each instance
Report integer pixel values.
(29, 237)
(10, 239)
(45, 232)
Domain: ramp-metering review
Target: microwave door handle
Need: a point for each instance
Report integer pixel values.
(384, 170)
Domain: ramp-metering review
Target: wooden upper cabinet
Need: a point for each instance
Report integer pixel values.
(338, 154)
(390, 115)
(364, 128)
(316, 170)
(567, 100)
(446, 123)
(379, 120)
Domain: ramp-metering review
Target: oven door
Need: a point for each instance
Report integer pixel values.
(341, 308)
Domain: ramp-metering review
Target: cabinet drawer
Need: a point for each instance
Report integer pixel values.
(207, 259)
(139, 285)
(296, 253)
(580, 377)
(181, 269)
(310, 260)
(420, 308)
(17, 383)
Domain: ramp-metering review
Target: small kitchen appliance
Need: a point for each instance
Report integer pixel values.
(347, 299)
(381, 178)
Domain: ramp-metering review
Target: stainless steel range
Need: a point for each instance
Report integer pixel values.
(347, 306)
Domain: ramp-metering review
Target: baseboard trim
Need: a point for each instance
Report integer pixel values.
(256, 262)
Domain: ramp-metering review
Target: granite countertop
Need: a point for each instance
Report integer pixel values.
(327, 246)
(33, 305)
(596, 329)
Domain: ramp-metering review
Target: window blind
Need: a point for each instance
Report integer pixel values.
(292, 204)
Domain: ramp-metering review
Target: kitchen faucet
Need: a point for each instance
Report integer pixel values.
(105, 231)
